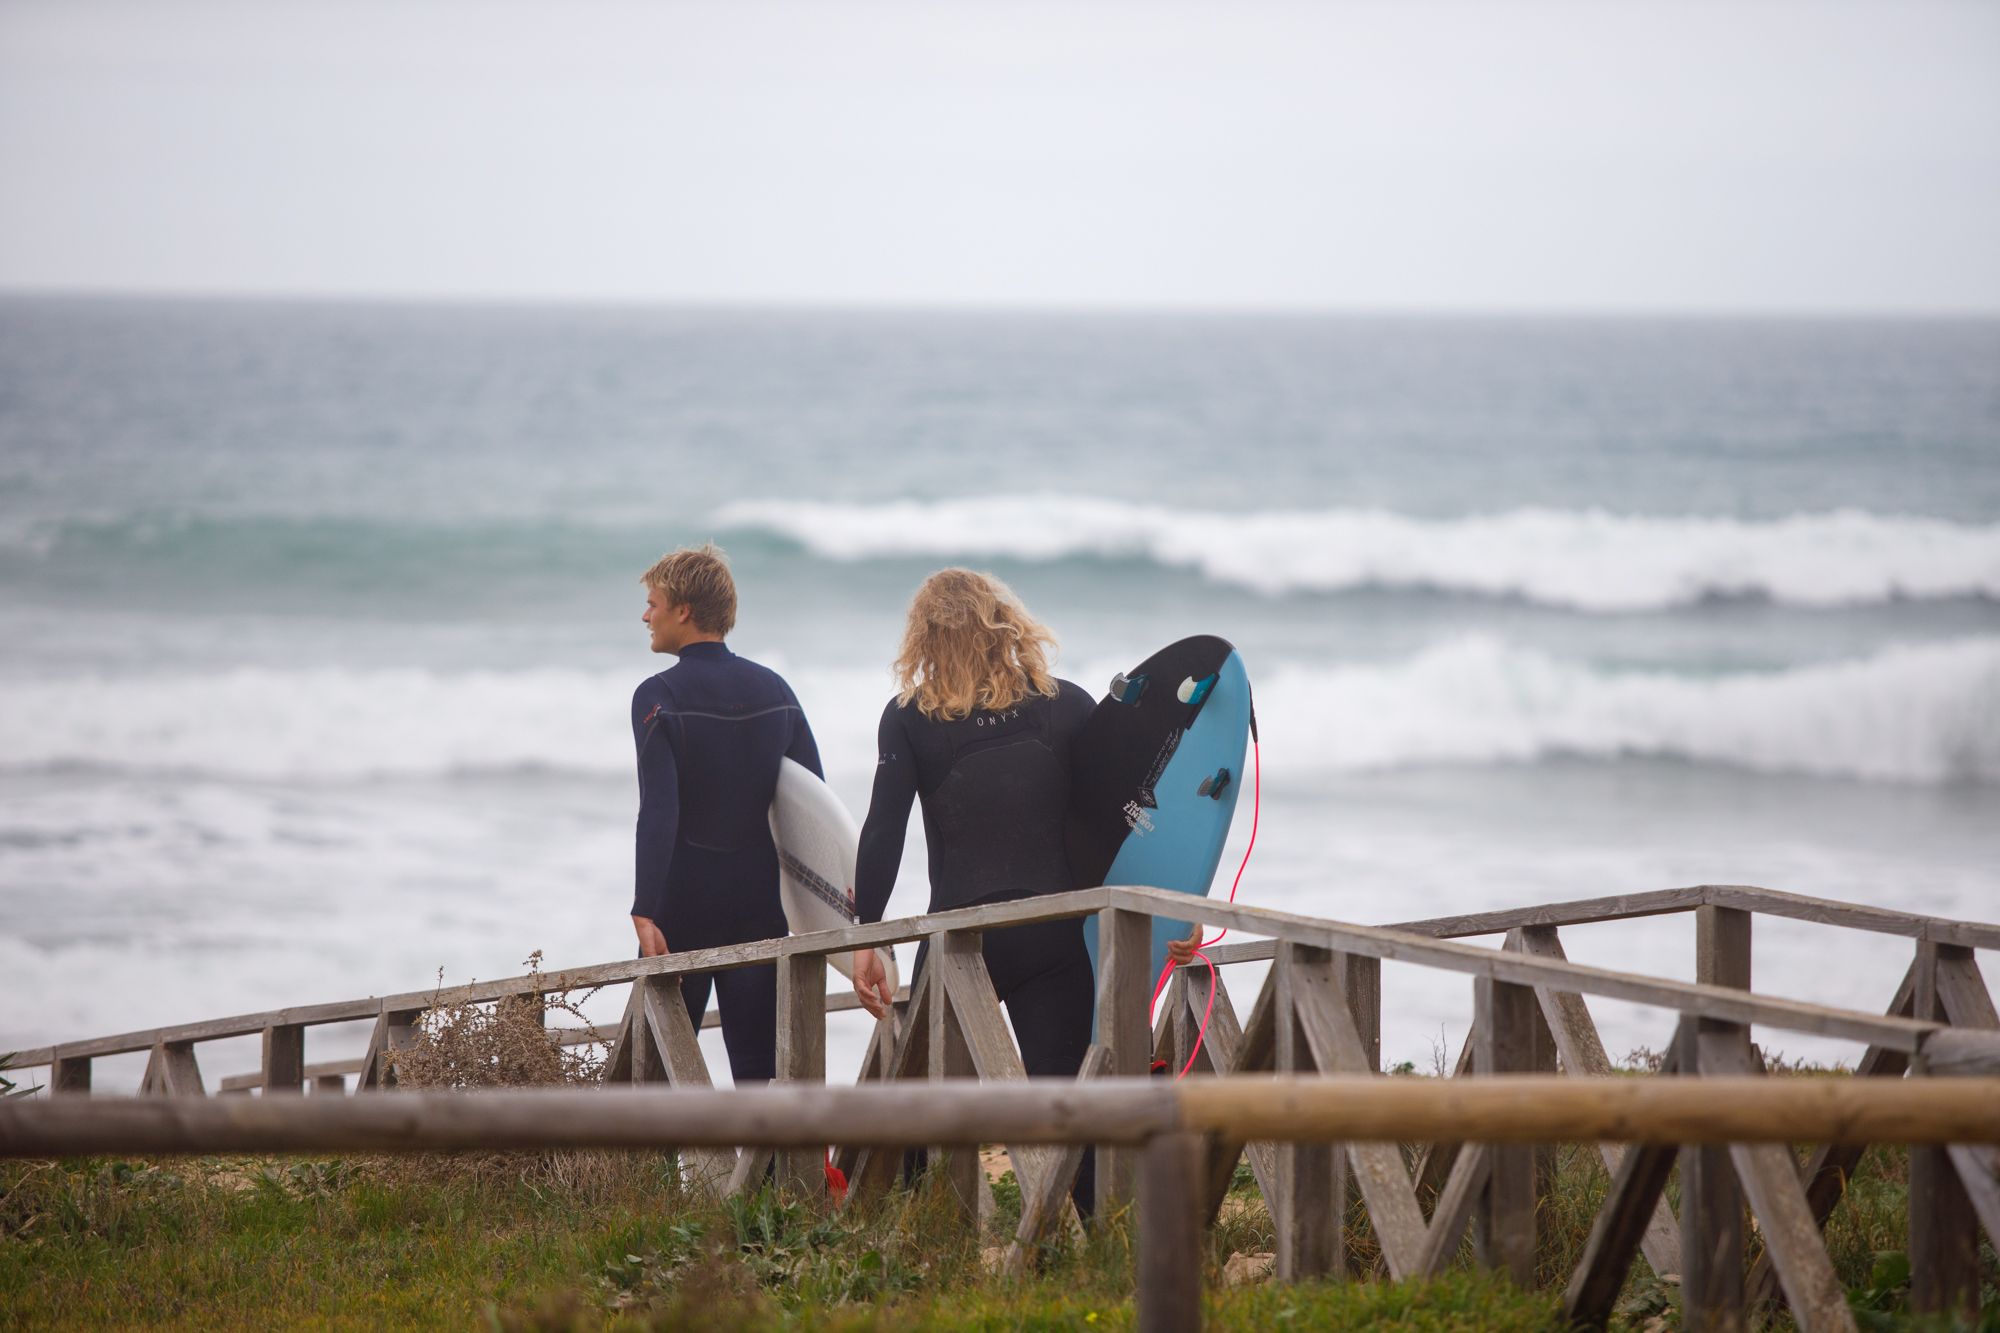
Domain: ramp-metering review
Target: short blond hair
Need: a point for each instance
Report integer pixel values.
(970, 644)
(698, 578)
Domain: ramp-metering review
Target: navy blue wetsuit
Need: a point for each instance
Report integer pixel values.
(995, 790)
(710, 732)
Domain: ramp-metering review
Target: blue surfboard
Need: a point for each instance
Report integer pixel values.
(1155, 776)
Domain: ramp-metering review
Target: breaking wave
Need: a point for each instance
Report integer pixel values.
(1927, 714)
(1588, 560)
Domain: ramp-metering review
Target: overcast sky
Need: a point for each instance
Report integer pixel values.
(1817, 156)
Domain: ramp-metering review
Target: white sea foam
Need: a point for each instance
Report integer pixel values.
(1587, 559)
(1916, 714)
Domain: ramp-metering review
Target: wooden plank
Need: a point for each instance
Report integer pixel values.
(329, 1085)
(1769, 1177)
(1124, 995)
(667, 1050)
(1722, 947)
(1523, 1109)
(1015, 912)
(1577, 912)
(875, 1169)
(1504, 1231)
(1249, 1049)
(1457, 1201)
(1961, 990)
(1856, 916)
(1944, 1229)
(1978, 1167)
(1582, 1052)
(1311, 1182)
(951, 1058)
(969, 990)
(69, 1076)
(1712, 1294)
(802, 1058)
(619, 1066)
(394, 1030)
(1520, 969)
(284, 1060)
(171, 1071)
(1832, 1164)
(1170, 1234)
(1320, 1003)
(1437, 1159)
(1048, 1202)
(1637, 1188)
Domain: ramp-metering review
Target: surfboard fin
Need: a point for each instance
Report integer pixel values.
(1211, 787)
(1127, 689)
(1193, 691)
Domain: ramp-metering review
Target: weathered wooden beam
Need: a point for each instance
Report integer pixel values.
(1710, 1000)
(70, 1077)
(1832, 1164)
(1248, 1050)
(957, 1162)
(1979, 1172)
(172, 1071)
(802, 1057)
(1637, 1187)
(1582, 1052)
(1523, 1109)
(1124, 994)
(975, 1006)
(1504, 1230)
(876, 1168)
(284, 1060)
(1769, 1177)
(1311, 1184)
(1170, 1233)
(1855, 916)
(1322, 1007)
(666, 1049)
(1463, 1192)
(1712, 1294)
(1045, 1204)
(1944, 1228)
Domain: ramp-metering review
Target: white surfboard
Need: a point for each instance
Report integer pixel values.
(817, 845)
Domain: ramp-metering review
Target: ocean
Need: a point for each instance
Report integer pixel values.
(319, 622)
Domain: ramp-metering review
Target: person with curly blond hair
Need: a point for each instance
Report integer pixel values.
(980, 730)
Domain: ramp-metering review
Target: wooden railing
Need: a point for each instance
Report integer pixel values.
(1317, 1015)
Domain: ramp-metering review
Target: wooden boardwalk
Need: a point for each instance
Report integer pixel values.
(1315, 1024)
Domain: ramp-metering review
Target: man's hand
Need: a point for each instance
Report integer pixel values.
(871, 983)
(652, 944)
(1181, 952)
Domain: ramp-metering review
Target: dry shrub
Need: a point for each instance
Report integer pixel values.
(508, 1043)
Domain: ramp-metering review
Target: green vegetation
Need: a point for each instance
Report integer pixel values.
(608, 1241)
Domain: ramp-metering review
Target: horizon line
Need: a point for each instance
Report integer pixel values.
(943, 306)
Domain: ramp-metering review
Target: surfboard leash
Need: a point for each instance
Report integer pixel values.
(1160, 986)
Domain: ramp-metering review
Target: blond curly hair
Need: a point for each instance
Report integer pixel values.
(970, 644)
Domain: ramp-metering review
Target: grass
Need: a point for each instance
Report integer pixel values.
(602, 1241)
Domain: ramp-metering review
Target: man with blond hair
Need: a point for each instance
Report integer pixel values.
(711, 731)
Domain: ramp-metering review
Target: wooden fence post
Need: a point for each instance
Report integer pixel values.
(1124, 993)
(1170, 1232)
(70, 1076)
(1312, 1179)
(1944, 1230)
(1506, 1020)
(284, 1059)
(1712, 1288)
(802, 1057)
(951, 1057)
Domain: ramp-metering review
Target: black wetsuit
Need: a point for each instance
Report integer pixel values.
(995, 789)
(710, 732)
